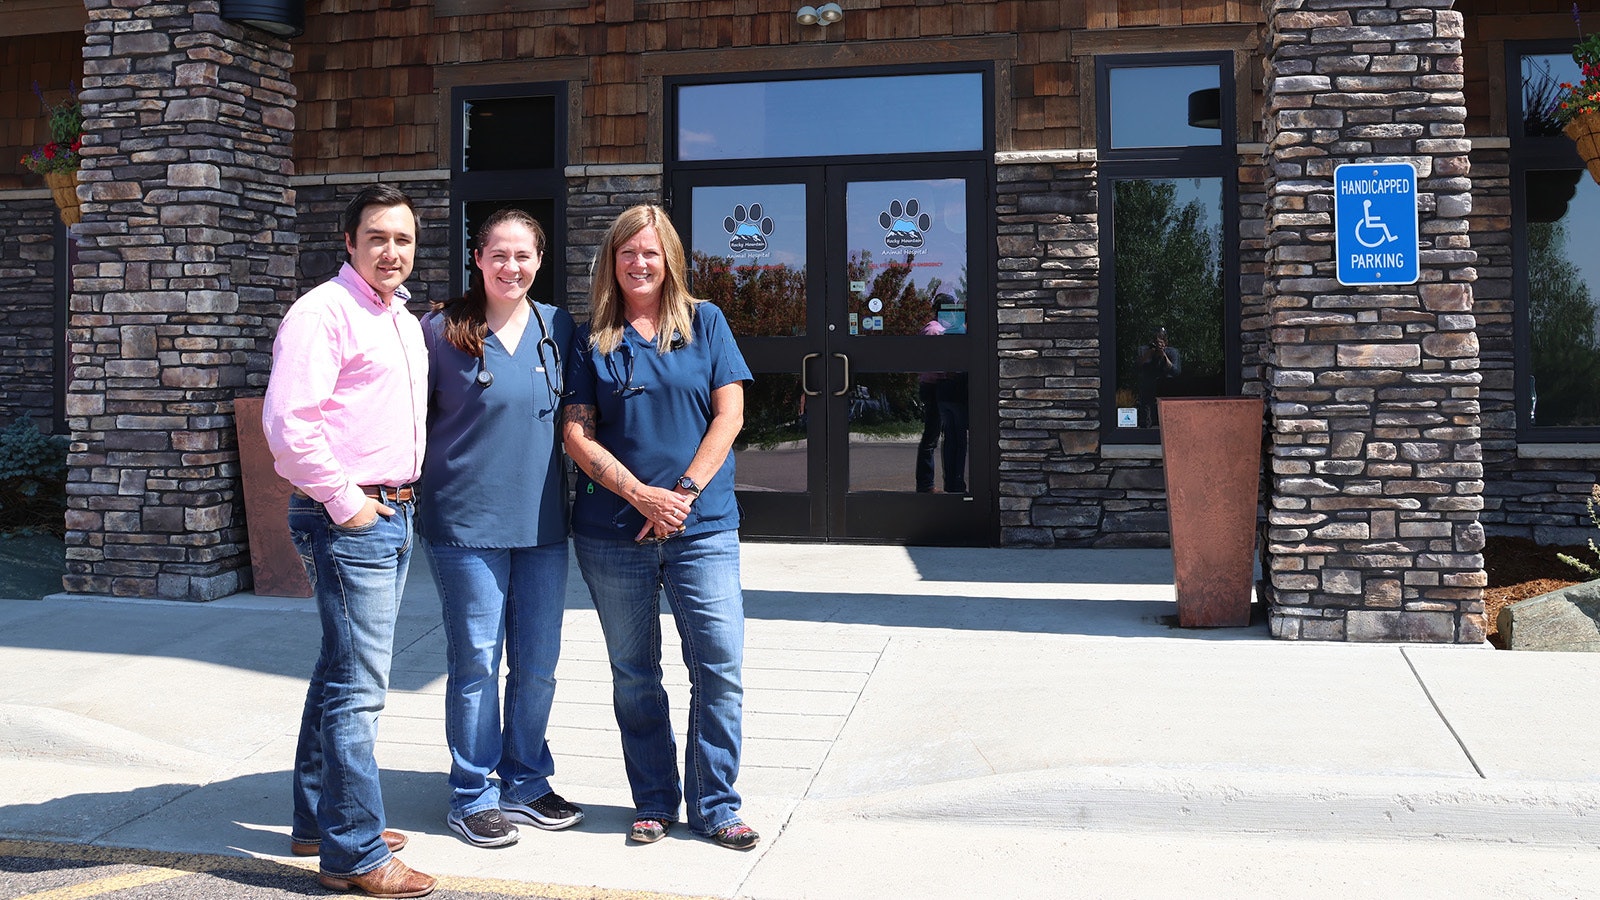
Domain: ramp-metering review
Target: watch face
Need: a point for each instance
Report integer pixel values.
(688, 484)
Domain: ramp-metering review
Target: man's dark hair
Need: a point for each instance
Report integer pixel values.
(373, 195)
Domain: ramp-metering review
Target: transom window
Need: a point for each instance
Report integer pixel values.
(928, 113)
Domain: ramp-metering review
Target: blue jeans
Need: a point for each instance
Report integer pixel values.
(700, 574)
(358, 575)
(493, 599)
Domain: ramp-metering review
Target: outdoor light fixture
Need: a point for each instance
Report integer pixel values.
(824, 15)
(284, 18)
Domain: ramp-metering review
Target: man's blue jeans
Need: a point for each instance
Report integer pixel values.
(700, 574)
(358, 576)
(494, 599)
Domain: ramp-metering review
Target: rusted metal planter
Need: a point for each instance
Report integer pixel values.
(275, 564)
(1212, 450)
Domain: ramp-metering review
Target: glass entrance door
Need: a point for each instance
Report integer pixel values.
(859, 302)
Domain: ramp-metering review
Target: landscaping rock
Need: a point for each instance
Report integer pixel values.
(1568, 619)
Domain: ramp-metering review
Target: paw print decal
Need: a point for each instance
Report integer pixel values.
(747, 229)
(903, 225)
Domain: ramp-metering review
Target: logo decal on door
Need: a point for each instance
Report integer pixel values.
(903, 225)
(747, 230)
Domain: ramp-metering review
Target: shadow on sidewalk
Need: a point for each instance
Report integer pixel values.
(1096, 618)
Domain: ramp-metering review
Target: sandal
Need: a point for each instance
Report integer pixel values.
(648, 829)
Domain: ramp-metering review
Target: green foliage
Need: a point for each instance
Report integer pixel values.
(33, 479)
(1594, 516)
(1168, 274)
(1562, 318)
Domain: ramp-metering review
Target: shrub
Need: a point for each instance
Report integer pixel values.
(1594, 516)
(33, 479)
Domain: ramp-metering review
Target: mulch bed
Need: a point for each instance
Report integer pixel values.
(1519, 569)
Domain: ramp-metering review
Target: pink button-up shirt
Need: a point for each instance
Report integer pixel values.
(347, 402)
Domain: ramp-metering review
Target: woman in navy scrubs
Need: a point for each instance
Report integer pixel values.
(657, 399)
(494, 516)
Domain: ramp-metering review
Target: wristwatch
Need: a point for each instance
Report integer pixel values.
(688, 484)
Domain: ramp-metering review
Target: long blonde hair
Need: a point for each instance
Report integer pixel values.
(608, 313)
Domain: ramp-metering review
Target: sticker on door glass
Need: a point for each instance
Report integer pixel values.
(875, 305)
(748, 231)
(904, 224)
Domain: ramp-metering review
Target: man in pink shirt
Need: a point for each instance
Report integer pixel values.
(345, 417)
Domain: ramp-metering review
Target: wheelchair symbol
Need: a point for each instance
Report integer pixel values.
(1371, 222)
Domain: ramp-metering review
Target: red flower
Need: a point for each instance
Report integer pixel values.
(50, 151)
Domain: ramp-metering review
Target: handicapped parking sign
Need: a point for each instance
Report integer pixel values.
(1375, 223)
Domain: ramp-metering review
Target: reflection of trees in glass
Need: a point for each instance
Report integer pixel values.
(906, 308)
(885, 404)
(1562, 320)
(773, 411)
(1168, 274)
(759, 300)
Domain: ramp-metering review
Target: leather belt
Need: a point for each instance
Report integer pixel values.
(405, 493)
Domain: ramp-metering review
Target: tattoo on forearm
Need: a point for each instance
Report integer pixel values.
(583, 416)
(597, 461)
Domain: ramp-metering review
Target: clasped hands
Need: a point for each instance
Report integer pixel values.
(665, 511)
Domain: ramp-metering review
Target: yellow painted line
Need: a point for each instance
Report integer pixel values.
(106, 885)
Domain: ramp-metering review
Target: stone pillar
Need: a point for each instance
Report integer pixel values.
(188, 259)
(1376, 462)
(1053, 488)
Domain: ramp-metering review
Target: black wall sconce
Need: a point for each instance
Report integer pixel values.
(284, 18)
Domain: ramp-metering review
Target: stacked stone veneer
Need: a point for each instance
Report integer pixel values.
(1376, 460)
(1054, 489)
(595, 195)
(28, 268)
(1059, 484)
(322, 200)
(187, 258)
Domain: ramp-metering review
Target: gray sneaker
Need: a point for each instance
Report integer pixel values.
(484, 828)
(550, 812)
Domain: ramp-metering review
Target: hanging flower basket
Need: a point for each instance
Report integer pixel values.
(1585, 132)
(57, 161)
(64, 187)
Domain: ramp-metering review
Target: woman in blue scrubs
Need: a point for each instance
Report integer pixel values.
(657, 399)
(494, 516)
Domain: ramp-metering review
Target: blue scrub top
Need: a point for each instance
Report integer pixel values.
(652, 410)
(493, 476)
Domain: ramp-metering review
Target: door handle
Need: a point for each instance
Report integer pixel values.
(846, 386)
(805, 386)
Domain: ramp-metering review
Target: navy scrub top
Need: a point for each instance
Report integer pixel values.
(652, 410)
(492, 476)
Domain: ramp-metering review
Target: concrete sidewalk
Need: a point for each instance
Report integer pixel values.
(928, 722)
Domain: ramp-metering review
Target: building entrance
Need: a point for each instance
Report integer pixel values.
(860, 299)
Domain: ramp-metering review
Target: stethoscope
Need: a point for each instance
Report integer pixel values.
(628, 388)
(557, 385)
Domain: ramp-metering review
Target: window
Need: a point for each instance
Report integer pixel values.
(807, 117)
(1169, 297)
(509, 149)
(1556, 211)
